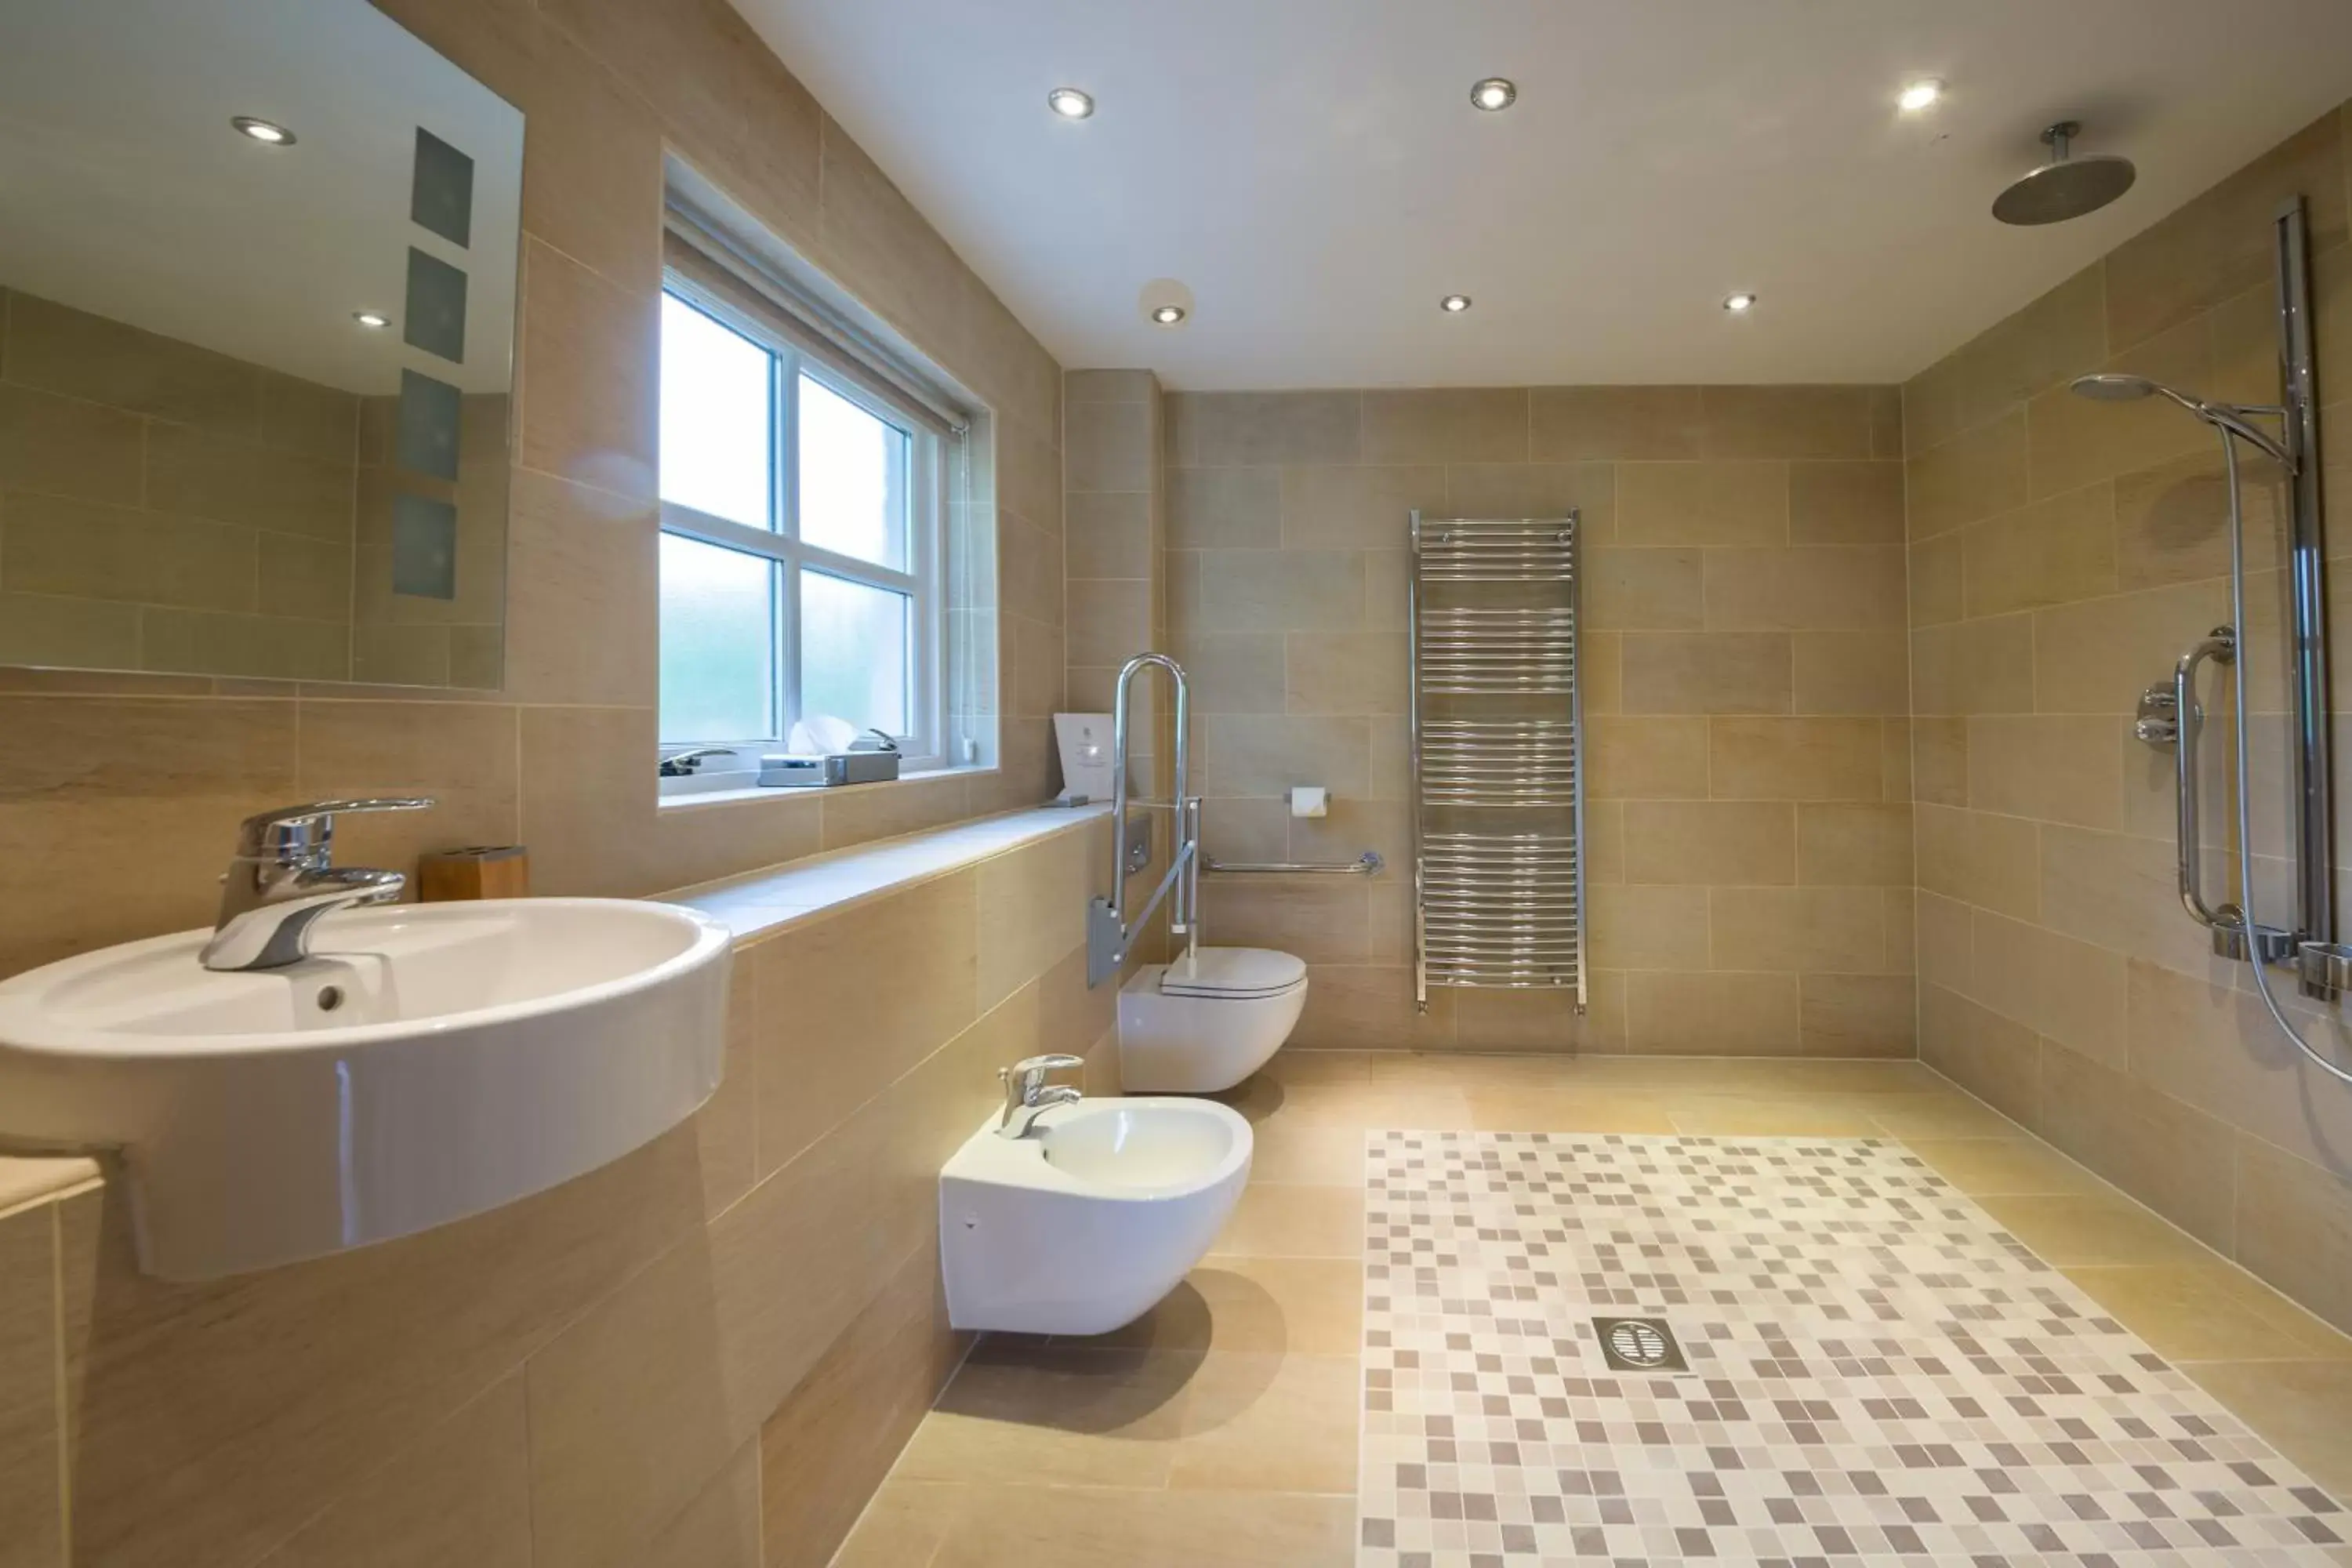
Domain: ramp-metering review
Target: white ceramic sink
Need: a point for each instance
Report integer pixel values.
(426, 1063)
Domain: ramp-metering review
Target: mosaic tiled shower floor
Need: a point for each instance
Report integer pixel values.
(1879, 1374)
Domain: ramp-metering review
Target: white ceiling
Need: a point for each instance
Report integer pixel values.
(124, 192)
(1313, 171)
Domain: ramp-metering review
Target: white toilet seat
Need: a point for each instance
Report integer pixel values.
(1200, 1026)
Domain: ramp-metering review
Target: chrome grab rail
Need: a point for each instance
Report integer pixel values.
(1368, 864)
(2221, 645)
(1109, 932)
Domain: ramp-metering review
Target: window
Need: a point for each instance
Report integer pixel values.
(802, 523)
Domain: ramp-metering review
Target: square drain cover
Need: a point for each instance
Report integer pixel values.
(1639, 1344)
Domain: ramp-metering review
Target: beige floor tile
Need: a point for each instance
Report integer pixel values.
(2092, 1229)
(1304, 1306)
(1269, 1423)
(1472, 1069)
(1756, 1116)
(2001, 1167)
(1360, 1105)
(1772, 1076)
(1056, 1416)
(1318, 1067)
(1946, 1114)
(1295, 1222)
(1028, 1526)
(904, 1524)
(2304, 1409)
(1579, 1109)
(2207, 1312)
(1291, 1152)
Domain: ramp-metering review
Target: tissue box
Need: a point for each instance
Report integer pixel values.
(784, 770)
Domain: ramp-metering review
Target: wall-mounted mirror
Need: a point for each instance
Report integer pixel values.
(257, 283)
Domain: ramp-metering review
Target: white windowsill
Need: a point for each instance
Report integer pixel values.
(759, 903)
(800, 791)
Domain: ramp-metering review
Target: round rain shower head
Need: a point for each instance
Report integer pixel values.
(2065, 187)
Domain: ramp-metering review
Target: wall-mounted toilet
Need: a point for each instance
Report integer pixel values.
(1208, 1020)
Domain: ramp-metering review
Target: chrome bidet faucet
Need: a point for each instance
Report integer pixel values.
(283, 878)
(1028, 1095)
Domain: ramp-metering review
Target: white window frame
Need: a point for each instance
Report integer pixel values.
(924, 747)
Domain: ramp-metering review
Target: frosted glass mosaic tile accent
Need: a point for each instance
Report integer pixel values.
(1878, 1374)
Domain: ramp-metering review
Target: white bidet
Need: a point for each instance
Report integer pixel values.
(1080, 1225)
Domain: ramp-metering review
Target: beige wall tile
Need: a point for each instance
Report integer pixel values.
(588, 356)
(1647, 758)
(54, 446)
(1446, 424)
(1939, 761)
(1217, 428)
(1263, 756)
(1854, 844)
(1992, 1058)
(1351, 507)
(2171, 1156)
(2117, 892)
(2054, 769)
(2294, 1227)
(1575, 424)
(827, 1450)
(721, 1527)
(1644, 590)
(74, 549)
(2095, 656)
(1110, 535)
(1714, 1015)
(32, 1509)
(2049, 553)
(1360, 1007)
(1311, 917)
(1234, 672)
(462, 1495)
(1036, 898)
(2219, 243)
(1938, 586)
(1788, 421)
(1851, 672)
(1846, 502)
(1839, 931)
(1227, 508)
(1858, 1015)
(1278, 590)
(57, 349)
(1648, 927)
(1703, 672)
(2172, 523)
(2069, 992)
(1109, 621)
(1795, 759)
(1537, 489)
(580, 612)
(1698, 843)
(872, 233)
(1345, 672)
(2076, 441)
(1980, 473)
(1710, 503)
(1824, 587)
(1106, 446)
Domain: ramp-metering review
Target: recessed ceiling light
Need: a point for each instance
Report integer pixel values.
(266, 130)
(1738, 303)
(1494, 93)
(372, 319)
(1070, 103)
(1454, 304)
(1918, 95)
(1168, 315)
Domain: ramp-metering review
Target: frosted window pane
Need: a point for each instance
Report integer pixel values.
(853, 473)
(717, 431)
(718, 643)
(854, 653)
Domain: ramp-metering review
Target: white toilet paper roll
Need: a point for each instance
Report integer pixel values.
(1308, 800)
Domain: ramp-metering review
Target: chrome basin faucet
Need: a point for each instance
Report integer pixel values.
(283, 878)
(1028, 1095)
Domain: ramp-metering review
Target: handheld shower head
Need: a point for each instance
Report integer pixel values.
(2119, 386)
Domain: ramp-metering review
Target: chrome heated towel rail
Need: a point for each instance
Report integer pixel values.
(1496, 745)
